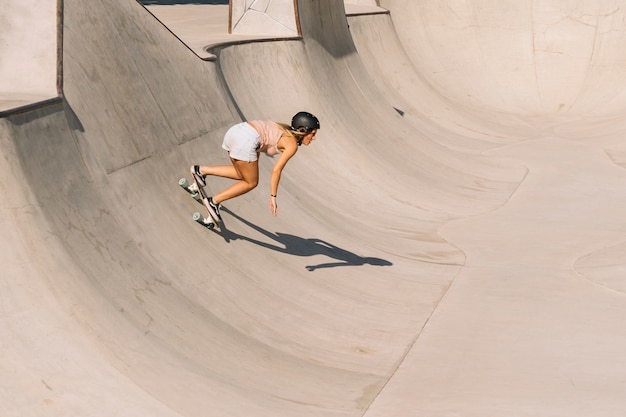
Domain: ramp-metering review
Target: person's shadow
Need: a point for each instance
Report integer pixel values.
(298, 246)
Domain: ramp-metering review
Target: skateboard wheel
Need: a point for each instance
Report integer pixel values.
(196, 196)
(183, 182)
(197, 217)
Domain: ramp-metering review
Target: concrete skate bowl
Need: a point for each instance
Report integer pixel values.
(450, 245)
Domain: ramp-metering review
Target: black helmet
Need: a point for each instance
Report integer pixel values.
(304, 120)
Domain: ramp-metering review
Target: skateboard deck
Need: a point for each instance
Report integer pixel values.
(200, 196)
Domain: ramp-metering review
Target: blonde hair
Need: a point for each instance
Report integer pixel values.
(296, 134)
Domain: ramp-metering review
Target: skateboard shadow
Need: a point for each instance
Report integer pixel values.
(298, 246)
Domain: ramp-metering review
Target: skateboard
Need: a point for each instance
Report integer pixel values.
(199, 195)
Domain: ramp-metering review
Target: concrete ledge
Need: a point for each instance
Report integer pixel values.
(9, 107)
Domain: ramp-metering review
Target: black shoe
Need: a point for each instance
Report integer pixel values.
(213, 208)
(198, 177)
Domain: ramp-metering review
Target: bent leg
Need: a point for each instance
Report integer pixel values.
(247, 174)
(224, 171)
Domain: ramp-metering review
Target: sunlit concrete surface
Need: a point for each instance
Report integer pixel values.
(452, 244)
(28, 52)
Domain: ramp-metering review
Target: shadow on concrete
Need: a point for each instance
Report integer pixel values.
(298, 246)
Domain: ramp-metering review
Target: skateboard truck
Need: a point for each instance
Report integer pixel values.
(190, 188)
(206, 222)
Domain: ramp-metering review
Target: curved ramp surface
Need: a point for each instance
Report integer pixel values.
(451, 245)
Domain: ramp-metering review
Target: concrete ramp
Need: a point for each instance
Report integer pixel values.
(28, 52)
(451, 245)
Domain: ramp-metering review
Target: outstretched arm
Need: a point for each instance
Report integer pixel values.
(288, 147)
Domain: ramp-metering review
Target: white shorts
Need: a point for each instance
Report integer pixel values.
(242, 142)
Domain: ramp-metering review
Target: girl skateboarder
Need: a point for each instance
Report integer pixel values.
(244, 142)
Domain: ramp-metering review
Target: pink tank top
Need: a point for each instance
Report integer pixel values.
(269, 133)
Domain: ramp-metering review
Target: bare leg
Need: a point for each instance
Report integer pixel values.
(224, 171)
(246, 174)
